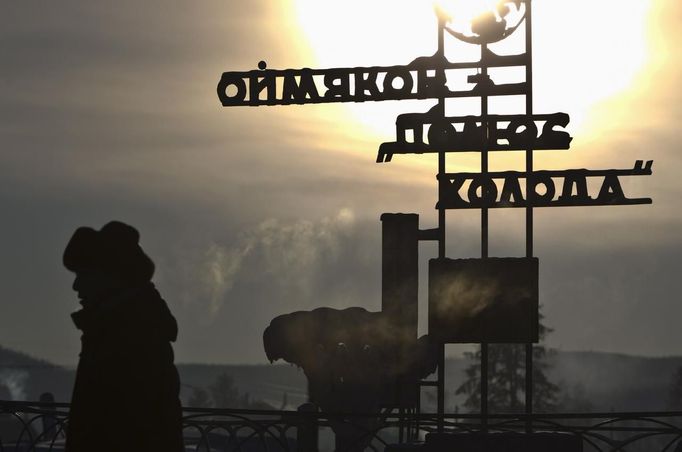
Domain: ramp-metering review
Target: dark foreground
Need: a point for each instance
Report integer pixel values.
(27, 426)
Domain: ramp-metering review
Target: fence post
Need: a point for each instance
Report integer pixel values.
(307, 434)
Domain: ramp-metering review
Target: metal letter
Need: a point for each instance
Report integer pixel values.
(442, 135)
(511, 188)
(555, 139)
(298, 92)
(227, 79)
(524, 139)
(338, 84)
(488, 194)
(366, 88)
(533, 196)
(611, 191)
(579, 180)
(258, 83)
(403, 74)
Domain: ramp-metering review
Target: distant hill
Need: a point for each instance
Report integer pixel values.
(590, 381)
(24, 377)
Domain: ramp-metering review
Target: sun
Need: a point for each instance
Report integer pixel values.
(461, 13)
(354, 33)
(585, 52)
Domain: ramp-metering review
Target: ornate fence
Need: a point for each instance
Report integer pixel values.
(40, 427)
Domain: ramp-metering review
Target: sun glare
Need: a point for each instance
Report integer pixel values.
(585, 52)
(462, 12)
(354, 33)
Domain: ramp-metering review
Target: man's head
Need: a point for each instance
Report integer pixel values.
(106, 260)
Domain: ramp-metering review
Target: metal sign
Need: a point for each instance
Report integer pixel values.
(473, 133)
(424, 78)
(483, 300)
(543, 188)
(431, 132)
(434, 132)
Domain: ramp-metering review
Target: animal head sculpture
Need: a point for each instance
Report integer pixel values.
(354, 359)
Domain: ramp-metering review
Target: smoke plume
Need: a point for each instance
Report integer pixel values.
(15, 382)
(290, 256)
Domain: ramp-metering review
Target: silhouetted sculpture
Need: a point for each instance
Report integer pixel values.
(126, 393)
(355, 361)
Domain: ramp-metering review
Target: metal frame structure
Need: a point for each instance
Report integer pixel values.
(485, 218)
(425, 78)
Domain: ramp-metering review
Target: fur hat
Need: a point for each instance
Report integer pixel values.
(114, 248)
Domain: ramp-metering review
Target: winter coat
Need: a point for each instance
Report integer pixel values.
(126, 395)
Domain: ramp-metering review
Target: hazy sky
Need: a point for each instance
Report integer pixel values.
(109, 111)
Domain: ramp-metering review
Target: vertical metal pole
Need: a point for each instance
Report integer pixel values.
(484, 154)
(529, 209)
(484, 236)
(441, 231)
(441, 152)
(401, 429)
(441, 388)
(418, 410)
(484, 387)
(307, 435)
(529, 112)
(529, 387)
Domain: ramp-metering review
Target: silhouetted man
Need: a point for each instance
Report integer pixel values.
(126, 393)
(50, 422)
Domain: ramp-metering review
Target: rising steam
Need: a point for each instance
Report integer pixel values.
(287, 253)
(15, 382)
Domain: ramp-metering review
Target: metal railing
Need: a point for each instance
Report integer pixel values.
(40, 427)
